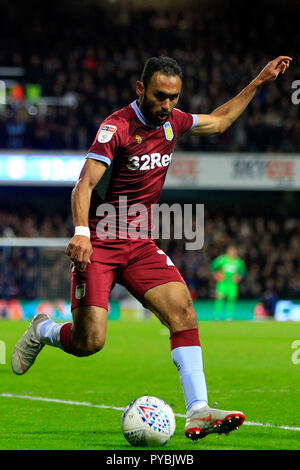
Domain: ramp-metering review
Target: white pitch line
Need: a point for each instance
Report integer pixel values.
(107, 407)
(64, 402)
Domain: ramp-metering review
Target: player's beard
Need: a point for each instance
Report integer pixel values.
(157, 118)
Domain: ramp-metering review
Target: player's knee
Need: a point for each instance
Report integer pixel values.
(94, 345)
(185, 318)
(190, 316)
(88, 346)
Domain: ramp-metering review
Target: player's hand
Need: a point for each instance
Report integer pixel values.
(80, 250)
(237, 278)
(219, 276)
(271, 71)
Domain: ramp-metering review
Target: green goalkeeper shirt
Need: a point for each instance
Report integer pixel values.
(230, 267)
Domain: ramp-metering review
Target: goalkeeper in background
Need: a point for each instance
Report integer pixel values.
(228, 270)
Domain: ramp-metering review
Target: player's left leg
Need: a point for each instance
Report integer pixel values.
(232, 295)
(172, 304)
(154, 280)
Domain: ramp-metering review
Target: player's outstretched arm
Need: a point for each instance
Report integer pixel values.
(222, 117)
(80, 248)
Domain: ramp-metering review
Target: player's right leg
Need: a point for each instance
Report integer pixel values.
(219, 300)
(82, 337)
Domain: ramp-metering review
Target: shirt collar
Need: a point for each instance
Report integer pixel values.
(140, 115)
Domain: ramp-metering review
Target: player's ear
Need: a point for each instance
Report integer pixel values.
(140, 89)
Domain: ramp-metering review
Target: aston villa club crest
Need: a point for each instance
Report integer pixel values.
(80, 291)
(168, 131)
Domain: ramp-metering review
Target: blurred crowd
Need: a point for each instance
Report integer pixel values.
(93, 69)
(270, 248)
(85, 59)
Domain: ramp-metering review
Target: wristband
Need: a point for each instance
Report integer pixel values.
(82, 230)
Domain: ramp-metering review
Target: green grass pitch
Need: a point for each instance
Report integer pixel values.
(248, 366)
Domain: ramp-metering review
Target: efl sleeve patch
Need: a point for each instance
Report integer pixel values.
(106, 133)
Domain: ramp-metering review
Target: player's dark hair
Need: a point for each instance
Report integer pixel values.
(163, 64)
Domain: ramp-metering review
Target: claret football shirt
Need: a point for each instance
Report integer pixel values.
(137, 156)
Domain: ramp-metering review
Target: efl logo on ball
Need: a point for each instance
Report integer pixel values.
(148, 422)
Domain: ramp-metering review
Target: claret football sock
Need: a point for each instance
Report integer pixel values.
(66, 337)
(187, 356)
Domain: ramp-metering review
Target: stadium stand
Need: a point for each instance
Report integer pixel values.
(86, 78)
(270, 248)
(78, 79)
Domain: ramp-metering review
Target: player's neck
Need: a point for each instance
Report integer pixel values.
(140, 106)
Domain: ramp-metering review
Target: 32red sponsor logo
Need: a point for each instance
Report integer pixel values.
(149, 162)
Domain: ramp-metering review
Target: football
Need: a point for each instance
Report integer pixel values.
(148, 422)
